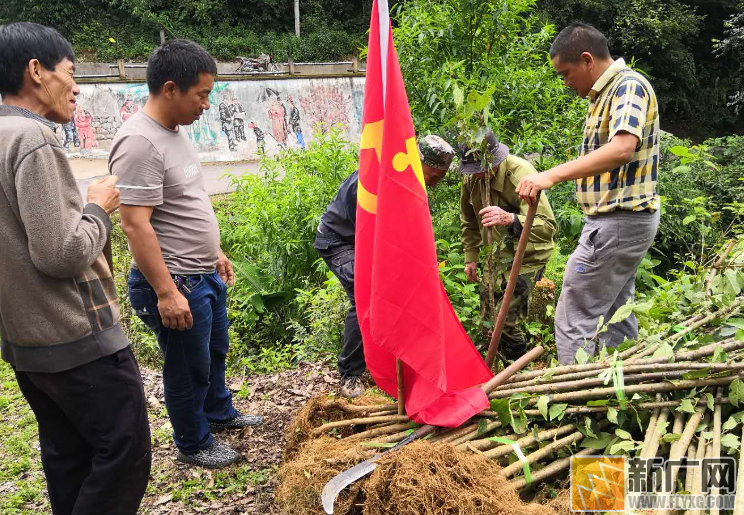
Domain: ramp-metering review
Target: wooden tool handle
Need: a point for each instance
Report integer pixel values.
(524, 238)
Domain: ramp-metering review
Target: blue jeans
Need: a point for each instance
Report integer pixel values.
(194, 360)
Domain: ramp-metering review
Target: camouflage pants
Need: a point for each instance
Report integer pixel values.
(513, 342)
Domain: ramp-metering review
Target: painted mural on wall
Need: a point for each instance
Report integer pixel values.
(245, 119)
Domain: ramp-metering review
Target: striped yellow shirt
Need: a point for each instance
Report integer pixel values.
(621, 100)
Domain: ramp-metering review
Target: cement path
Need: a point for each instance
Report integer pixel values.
(216, 175)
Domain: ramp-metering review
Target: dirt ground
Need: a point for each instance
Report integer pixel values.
(248, 486)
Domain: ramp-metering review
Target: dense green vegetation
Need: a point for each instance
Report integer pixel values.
(286, 306)
(692, 50)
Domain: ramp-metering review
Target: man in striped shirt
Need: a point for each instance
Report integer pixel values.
(615, 178)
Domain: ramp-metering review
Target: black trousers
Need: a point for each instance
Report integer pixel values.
(94, 435)
(340, 260)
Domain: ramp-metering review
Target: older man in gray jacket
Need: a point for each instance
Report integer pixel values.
(59, 316)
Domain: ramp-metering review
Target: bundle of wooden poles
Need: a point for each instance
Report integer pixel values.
(561, 411)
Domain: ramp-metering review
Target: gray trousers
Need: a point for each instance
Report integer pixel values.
(599, 278)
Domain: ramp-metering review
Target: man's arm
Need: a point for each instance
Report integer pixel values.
(143, 242)
(62, 242)
(628, 112)
(618, 152)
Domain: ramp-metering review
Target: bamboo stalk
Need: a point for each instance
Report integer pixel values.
(584, 383)
(539, 454)
(728, 345)
(503, 450)
(394, 438)
(457, 433)
(696, 475)
(688, 329)
(653, 445)
(638, 388)
(585, 410)
(679, 424)
(651, 428)
(352, 408)
(734, 307)
(716, 442)
(692, 320)
(680, 449)
(490, 426)
(380, 431)
(358, 421)
(689, 473)
(552, 469)
(739, 500)
(628, 369)
(381, 424)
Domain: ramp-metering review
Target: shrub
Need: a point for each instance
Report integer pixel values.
(269, 228)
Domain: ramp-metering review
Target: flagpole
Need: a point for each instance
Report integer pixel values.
(401, 387)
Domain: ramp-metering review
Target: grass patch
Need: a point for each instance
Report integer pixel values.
(22, 480)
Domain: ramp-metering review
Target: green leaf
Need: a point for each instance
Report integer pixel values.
(623, 434)
(557, 411)
(730, 424)
(736, 392)
(664, 351)
(591, 427)
(482, 425)
(542, 405)
(730, 441)
(598, 402)
(670, 437)
(622, 313)
(257, 301)
(624, 446)
(519, 423)
(711, 403)
(720, 355)
(686, 406)
(457, 96)
(735, 322)
(597, 443)
(612, 415)
(739, 335)
(697, 374)
(680, 151)
(581, 356)
(688, 219)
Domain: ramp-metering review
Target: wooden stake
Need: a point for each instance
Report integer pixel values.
(401, 387)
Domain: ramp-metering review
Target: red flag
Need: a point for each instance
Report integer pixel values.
(402, 307)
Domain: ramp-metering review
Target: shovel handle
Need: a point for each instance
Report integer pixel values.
(524, 238)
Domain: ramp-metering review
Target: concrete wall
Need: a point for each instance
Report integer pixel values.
(138, 71)
(321, 103)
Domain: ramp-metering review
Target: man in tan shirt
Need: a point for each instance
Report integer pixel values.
(179, 278)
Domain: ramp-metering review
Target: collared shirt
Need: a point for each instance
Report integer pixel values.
(621, 100)
(502, 192)
(29, 114)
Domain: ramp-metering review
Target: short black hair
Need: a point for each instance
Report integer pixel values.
(180, 61)
(576, 39)
(22, 41)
